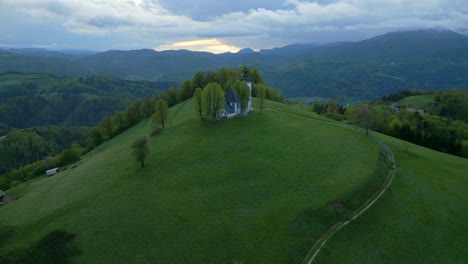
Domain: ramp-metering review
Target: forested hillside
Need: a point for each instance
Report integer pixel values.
(29, 100)
(363, 70)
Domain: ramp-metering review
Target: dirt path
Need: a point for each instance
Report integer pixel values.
(332, 230)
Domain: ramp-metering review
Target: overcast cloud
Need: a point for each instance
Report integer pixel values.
(215, 25)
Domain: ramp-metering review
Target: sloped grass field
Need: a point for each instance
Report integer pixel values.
(254, 189)
(421, 219)
(417, 101)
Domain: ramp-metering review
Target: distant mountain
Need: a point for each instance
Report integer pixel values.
(291, 50)
(70, 54)
(368, 69)
(395, 46)
(246, 51)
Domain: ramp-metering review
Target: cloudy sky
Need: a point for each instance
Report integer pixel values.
(215, 25)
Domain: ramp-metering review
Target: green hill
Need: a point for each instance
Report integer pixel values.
(254, 189)
(417, 101)
(422, 219)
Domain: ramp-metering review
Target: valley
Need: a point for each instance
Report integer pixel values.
(324, 169)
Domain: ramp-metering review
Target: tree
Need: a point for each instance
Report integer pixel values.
(197, 99)
(94, 139)
(332, 106)
(146, 106)
(243, 91)
(212, 100)
(170, 96)
(119, 123)
(261, 93)
(187, 90)
(71, 155)
(361, 116)
(106, 127)
(319, 107)
(161, 112)
(140, 150)
(132, 114)
(198, 80)
(244, 95)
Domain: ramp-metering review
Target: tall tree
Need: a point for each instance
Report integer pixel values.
(212, 100)
(261, 93)
(197, 101)
(332, 106)
(171, 96)
(243, 91)
(140, 150)
(119, 123)
(146, 106)
(106, 127)
(244, 95)
(94, 139)
(198, 80)
(361, 116)
(187, 90)
(161, 112)
(132, 114)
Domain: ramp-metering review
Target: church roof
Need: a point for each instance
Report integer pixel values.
(231, 96)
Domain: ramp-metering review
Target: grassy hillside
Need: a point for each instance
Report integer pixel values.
(417, 101)
(422, 219)
(253, 189)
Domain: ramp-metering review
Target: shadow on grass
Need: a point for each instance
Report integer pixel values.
(57, 247)
(5, 233)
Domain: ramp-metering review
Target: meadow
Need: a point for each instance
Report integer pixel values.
(417, 101)
(421, 219)
(254, 189)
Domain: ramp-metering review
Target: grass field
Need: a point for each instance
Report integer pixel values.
(422, 219)
(254, 189)
(417, 101)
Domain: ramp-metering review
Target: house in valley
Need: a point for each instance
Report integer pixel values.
(232, 104)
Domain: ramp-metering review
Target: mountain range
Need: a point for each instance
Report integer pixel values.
(348, 71)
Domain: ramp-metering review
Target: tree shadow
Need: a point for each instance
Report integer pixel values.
(57, 247)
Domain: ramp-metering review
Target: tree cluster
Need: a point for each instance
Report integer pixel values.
(27, 172)
(427, 130)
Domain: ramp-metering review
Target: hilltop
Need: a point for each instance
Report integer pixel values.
(255, 189)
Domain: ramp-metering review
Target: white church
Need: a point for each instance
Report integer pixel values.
(232, 104)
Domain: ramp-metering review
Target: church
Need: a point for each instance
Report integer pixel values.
(232, 104)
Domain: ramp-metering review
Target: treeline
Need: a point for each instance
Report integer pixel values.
(23, 146)
(395, 97)
(435, 132)
(27, 172)
(452, 104)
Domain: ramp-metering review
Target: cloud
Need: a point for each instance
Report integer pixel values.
(241, 23)
(210, 45)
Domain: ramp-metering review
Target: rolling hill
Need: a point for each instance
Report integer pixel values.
(254, 189)
(422, 219)
(348, 71)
